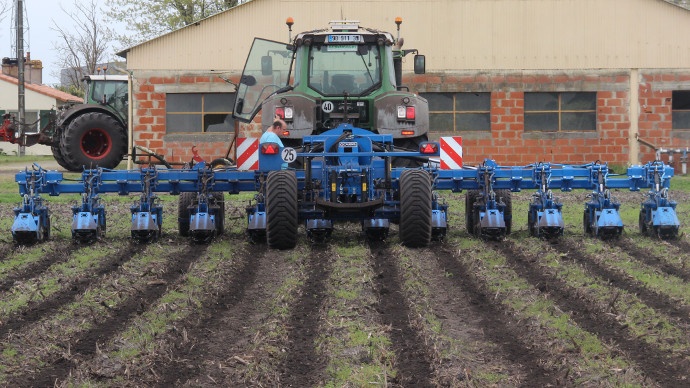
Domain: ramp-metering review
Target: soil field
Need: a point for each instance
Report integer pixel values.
(464, 312)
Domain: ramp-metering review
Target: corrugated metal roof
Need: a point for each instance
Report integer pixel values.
(453, 34)
(44, 89)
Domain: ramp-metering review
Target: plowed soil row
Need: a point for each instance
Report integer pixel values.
(664, 368)
(412, 355)
(70, 291)
(446, 315)
(491, 320)
(86, 345)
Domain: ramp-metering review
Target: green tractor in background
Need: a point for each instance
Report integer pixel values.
(91, 134)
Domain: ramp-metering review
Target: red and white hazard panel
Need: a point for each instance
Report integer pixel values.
(247, 153)
(451, 153)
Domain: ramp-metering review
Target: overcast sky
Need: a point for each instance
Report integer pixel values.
(40, 15)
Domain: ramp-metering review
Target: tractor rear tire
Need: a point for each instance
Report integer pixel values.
(281, 209)
(415, 208)
(470, 221)
(93, 139)
(60, 158)
(504, 195)
(183, 203)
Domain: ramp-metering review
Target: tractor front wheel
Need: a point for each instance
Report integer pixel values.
(415, 208)
(281, 209)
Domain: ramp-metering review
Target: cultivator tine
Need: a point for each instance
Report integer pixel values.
(147, 215)
(88, 221)
(202, 227)
(32, 219)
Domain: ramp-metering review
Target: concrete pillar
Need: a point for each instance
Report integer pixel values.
(634, 112)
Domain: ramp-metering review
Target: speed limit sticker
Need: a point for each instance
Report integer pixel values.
(288, 154)
(327, 106)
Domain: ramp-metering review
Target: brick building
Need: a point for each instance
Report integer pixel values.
(520, 80)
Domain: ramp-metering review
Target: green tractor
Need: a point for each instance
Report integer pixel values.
(92, 134)
(344, 74)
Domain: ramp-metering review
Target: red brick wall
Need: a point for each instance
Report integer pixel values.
(149, 125)
(509, 143)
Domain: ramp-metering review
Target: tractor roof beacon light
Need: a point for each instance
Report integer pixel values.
(398, 22)
(289, 21)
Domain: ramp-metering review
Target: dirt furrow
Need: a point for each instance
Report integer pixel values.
(220, 330)
(658, 365)
(650, 258)
(412, 357)
(59, 254)
(70, 291)
(497, 326)
(87, 343)
(302, 366)
(659, 302)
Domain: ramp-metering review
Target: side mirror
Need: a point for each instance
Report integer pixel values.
(419, 64)
(248, 80)
(266, 65)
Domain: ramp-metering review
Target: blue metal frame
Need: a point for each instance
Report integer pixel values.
(347, 176)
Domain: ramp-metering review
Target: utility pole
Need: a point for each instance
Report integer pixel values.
(21, 108)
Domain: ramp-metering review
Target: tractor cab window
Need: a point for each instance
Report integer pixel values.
(113, 93)
(339, 69)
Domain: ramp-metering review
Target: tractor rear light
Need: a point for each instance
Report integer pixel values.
(285, 112)
(407, 133)
(270, 148)
(286, 133)
(428, 148)
(402, 112)
(288, 113)
(409, 113)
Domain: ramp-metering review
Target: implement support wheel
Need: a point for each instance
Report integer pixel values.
(470, 221)
(281, 209)
(415, 208)
(184, 202)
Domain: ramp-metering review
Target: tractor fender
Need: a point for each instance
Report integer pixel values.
(66, 116)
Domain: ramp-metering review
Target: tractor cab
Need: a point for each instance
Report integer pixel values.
(108, 90)
(346, 74)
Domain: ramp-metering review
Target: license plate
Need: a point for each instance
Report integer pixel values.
(344, 38)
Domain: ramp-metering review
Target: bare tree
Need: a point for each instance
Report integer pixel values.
(83, 48)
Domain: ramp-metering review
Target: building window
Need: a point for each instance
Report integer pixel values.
(680, 108)
(450, 112)
(199, 112)
(571, 111)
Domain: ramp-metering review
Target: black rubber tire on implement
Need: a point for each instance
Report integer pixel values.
(505, 196)
(531, 224)
(219, 200)
(643, 225)
(183, 203)
(93, 139)
(281, 209)
(415, 208)
(586, 223)
(410, 144)
(470, 197)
